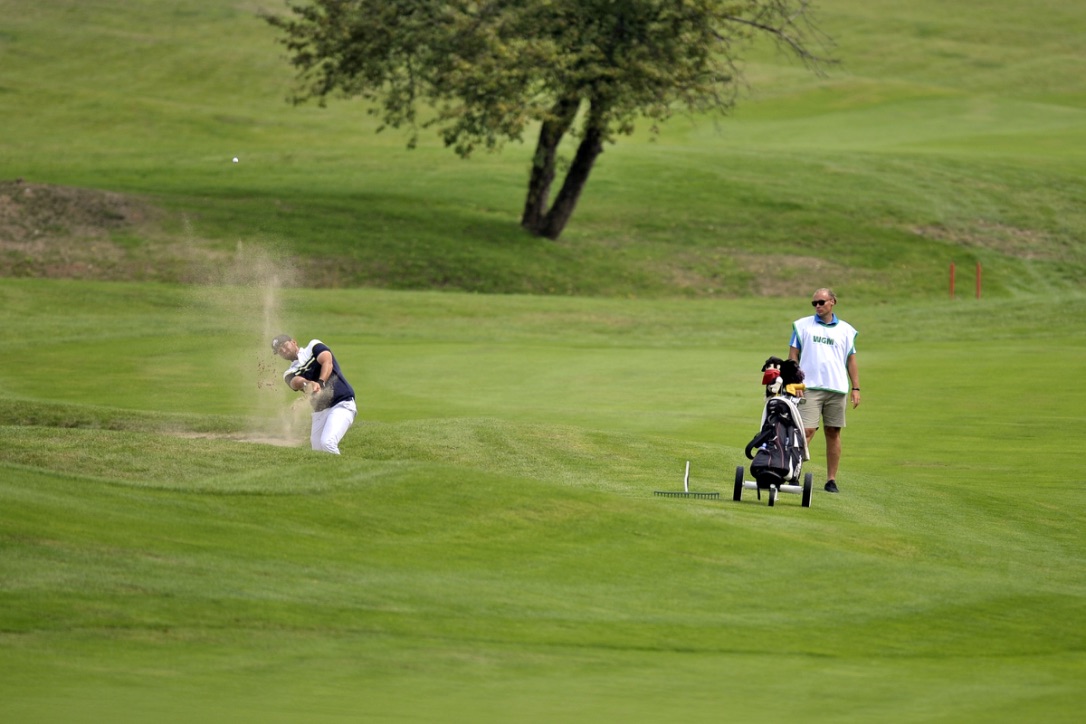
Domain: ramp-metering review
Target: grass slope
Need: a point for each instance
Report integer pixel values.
(947, 133)
(489, 545)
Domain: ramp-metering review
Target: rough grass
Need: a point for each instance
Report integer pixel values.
(945, 134)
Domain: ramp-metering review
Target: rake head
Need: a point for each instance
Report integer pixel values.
(685, 494)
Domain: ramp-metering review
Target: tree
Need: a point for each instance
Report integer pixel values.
(482, 72)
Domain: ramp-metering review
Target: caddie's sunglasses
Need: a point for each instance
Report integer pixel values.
(819, 302)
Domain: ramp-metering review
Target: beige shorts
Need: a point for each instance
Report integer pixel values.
(824, 405)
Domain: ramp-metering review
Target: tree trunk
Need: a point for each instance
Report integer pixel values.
(543, 165)
(566, 201)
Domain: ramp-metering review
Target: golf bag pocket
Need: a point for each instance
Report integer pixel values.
(769, 472)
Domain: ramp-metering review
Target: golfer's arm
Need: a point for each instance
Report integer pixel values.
(325, 359)
(853, 371)
(793, 354)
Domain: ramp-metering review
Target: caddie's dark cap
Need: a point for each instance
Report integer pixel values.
(278, 341)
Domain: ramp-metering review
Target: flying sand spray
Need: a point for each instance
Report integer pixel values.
(249, 293)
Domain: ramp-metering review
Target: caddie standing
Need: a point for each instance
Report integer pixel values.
(315, 371)
(825, 347)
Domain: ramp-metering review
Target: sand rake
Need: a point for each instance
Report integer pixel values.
(685, 492)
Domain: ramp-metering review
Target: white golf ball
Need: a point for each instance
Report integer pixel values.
(235, 159)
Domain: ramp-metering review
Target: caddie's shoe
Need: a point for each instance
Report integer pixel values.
(831, 486)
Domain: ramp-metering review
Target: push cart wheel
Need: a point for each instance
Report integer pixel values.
(808, 486)
(772, 495)
(737, 493)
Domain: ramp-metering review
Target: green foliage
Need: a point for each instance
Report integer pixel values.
(489, 69)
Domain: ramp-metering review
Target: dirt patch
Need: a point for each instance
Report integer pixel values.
(1028, 244)
(782, 275)
(256, 438)
(76, 233)
(716, 273)
(33, 212)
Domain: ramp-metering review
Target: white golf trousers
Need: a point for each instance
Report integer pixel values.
(329, 426)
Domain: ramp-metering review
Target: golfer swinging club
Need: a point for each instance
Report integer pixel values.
(314, 370)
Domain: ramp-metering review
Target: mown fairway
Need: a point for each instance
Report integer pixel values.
(488, 547)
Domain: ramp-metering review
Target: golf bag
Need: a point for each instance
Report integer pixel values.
(781, 445)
